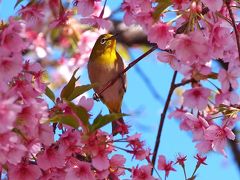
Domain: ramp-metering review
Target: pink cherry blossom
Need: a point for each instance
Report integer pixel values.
(177, 114)
(181, 159)
(33, 112)
(101, 161)
(191, 48)
(8, 113)
(176, 64)
(196, 124)
(32, 14)
(204, 146)
(11, 148)
(142, 173)
(164, 166)
(201, 160)
(62, 19)
(51, 157)
(230, 122)
(137, 147)
(24, 89)
(81, 170)
(145, 20)
(116, 163)
(196, 97)
(97, 22)
(227, 98)
(10, 66)
(219, 135)
(54, 173)
(122, 128)
(10, 37)
(87, 103)
(229, 77)
(85, 7)
(220, 39)
(137, 12)
(24, 171)
(45, 134)
(180, 4)
(128, 7)
(215, 5)
(160, 33)
(69, 142)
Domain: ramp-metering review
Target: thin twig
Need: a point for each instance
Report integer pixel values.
(157, 142)
(235, 149)
(112, 81)
(234, 26)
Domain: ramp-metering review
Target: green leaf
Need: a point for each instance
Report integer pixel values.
(81, 112)
(80, 90)
(69, 88)
(65, 119)
(17, 3)
(162, 5)
(55, 34)
(50, 94)
(101, 121)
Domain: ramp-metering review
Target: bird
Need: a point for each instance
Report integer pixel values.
(104, 64)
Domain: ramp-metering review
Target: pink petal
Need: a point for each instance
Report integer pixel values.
(161, 162)
(229, 133)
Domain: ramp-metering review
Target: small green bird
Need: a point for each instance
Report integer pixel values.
(105, 64)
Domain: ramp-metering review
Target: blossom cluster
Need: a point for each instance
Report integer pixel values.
(192, 42)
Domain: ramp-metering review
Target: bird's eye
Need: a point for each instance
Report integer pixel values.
(103, 41)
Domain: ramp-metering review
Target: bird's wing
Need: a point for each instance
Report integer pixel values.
(123, 76)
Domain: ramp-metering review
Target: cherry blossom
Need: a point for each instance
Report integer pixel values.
(116, 163)
(142, 173)
(11, 149)
(201, 160)
(161, 34)
(229, 77)
(196, 124)
(8, 112)
(181, 159)
(87, 103)
(85, 7)
(219, 135)
(213, 5)
(80, 170)
(191, 48)
(51, 157)
(164, 166)
(196, 97)
(24, 171)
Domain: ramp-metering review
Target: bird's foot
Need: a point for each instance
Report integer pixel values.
(96, 97)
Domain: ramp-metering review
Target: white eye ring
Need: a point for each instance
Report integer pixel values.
(103, 41)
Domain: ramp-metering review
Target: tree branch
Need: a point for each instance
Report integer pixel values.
(234, 25)
(163, 115)
(170, 93)
(235, 150)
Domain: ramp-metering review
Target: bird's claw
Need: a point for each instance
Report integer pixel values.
(96, 97)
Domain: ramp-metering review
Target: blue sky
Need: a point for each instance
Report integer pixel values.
(145, 113)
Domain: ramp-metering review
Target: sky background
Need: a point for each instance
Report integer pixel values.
(145, 112)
